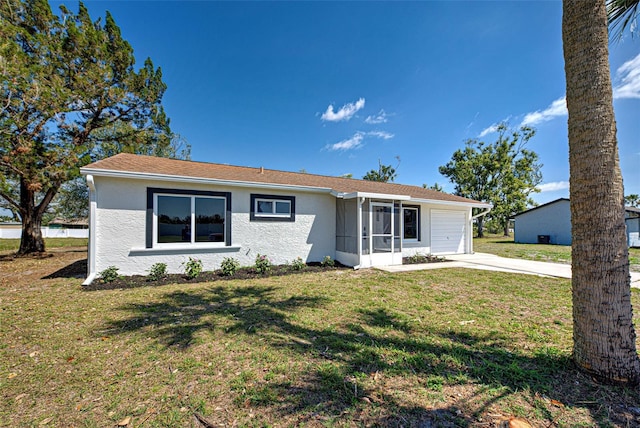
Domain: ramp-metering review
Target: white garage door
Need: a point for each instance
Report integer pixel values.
(447, 231)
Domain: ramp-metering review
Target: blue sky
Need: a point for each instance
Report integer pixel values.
(332, 87)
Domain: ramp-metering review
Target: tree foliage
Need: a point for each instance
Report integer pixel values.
(435, 186)
(622, 14)
(632, 200)
(503, 173)
(384, 173)
(69, 95)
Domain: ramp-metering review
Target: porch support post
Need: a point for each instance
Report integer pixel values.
(359, 203)
(401, 223)
(370, 226)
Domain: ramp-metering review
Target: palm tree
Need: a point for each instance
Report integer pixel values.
(603, 333)
(632, 200)
(621, 14)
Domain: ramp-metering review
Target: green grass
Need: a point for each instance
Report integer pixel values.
(12, 245)
(505, 247)
(447, 347)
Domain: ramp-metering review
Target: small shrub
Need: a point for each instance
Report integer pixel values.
(263, 264)
(192, 268)
(157, 271)
(298, 264)
(110, 274)
(327, 262)
(416, 258)
(422, 258)
(229, 266)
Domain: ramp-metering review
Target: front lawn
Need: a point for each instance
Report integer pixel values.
(444, 347)
(12, 245)
(505, 247)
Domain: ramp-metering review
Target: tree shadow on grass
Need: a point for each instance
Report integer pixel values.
(180, 315)
(360, 370)
(77, 269)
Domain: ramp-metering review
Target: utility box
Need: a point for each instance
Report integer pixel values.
(544, 239)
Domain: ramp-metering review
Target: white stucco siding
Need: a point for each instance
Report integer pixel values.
(121, 228)
(311, 236)
(120, 224)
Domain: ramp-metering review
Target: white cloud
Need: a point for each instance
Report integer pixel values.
(381, 134)
(357, 140)
(381, 117)
(629, 76)
(346, 112)
(348, 144)
(628, 86)
(489, 130)
(554, 186)
(556, 109)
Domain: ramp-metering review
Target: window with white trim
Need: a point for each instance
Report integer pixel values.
(272, 208)
(180, 217)
(411, 223)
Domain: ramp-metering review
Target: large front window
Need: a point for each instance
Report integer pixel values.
(181, 217)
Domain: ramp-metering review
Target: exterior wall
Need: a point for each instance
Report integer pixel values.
(120, 220)
(633, 232)
(10, 231)
(15, 232)
(553, 219)
(63, 232)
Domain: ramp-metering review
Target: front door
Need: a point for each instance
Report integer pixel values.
(382, 247)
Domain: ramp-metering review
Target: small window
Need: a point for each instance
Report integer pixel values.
(411, 223)
(272, 208)
(180, 217)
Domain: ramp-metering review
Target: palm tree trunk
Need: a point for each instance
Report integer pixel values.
(604, 336)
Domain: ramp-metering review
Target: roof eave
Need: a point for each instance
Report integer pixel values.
(198, 180)
(353, 195)
(372, 195)
(454, 203)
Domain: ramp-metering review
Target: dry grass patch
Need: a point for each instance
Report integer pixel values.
(446, 347)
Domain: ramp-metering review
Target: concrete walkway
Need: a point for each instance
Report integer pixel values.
(492, 262)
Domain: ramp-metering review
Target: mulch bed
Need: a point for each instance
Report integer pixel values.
(242, 273)
(211, 276)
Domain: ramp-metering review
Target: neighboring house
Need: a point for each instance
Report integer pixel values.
(551, 224)
(146, 210)
(632, 220)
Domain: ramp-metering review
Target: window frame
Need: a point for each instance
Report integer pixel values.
(273, 216)
(415, 208)
(152, 217)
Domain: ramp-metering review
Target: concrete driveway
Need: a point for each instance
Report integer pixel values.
(492, 262)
